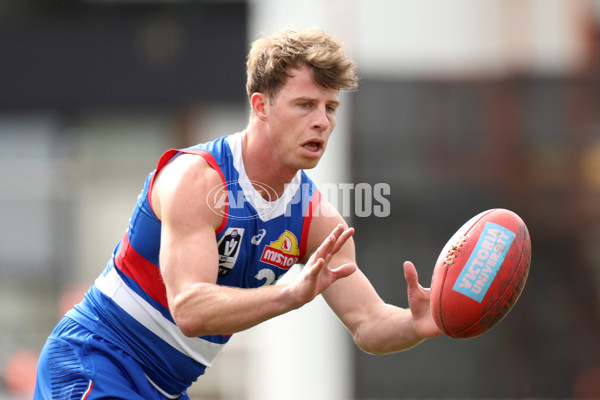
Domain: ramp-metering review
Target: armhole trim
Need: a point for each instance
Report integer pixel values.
(311, 210)
(210, 159)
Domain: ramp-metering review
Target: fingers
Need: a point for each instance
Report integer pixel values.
(341, 235)
(331, 245)
(344, 236)
(325, 247)
(316, 267)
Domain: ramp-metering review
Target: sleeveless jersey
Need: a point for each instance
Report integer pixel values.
(258, 241)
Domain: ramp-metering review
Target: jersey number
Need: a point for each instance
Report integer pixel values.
(267, 275)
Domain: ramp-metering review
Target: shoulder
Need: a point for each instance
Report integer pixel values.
(185, 185)
(187, 173)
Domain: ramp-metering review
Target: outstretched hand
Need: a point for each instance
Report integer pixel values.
(418, 301)
(316, 276)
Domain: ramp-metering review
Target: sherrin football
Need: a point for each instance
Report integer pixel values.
(480, 273)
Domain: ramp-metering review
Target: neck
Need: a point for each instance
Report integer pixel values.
(269, 177)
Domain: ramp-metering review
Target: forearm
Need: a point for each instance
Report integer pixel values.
(390, 330)
(207, 309)
(376, 327)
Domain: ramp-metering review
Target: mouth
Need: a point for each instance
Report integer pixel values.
(313, 145)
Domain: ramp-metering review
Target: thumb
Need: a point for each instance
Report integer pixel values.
(344, 270)
(410, 274)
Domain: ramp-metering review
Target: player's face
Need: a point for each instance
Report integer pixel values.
(301, 119)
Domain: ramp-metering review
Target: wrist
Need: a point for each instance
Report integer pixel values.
(290, 297)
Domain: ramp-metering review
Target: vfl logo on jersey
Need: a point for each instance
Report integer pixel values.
(229, 249)
(282, 253)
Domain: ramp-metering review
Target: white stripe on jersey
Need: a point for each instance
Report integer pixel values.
(198, 349)
(167, 395)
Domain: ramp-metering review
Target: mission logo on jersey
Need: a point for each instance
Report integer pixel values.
(282, 253)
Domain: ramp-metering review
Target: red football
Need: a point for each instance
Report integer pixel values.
(480, 273)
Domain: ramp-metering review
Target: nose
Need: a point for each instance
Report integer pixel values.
(322, 119)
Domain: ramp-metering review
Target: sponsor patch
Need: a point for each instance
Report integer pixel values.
(486, 259)
(229, 249)
(282, 253)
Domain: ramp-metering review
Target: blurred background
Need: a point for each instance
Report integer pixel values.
(464, 105)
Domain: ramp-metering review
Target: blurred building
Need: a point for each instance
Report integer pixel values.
(464, 105)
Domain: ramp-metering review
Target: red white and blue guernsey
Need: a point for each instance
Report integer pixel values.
(258, 241)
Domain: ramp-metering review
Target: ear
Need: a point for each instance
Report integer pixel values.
(258, 101)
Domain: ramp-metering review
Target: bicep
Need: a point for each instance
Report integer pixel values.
(187, 257)
(188, 249)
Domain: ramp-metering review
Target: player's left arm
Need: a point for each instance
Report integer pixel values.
(377, 327)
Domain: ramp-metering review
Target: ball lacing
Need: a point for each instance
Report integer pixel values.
(455, 248)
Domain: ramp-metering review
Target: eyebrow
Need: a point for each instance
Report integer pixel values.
(303, 98)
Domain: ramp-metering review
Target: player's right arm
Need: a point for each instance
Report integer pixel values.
(189, 257)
